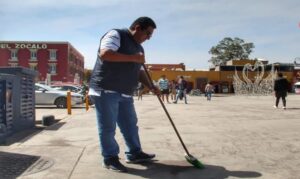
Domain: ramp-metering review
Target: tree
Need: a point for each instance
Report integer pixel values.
(87, 75)
(229, 49)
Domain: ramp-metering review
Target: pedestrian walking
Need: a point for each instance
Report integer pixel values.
(181, 90)
(280, 88)
(173, 90)
(209, 89)
(163, 84)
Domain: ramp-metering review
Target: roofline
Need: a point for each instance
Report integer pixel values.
(48, 42)
(76, 50)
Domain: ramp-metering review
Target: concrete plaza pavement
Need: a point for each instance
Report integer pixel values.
(234, 136)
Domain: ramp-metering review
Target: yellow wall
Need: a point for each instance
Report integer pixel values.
(190, 76)
(219, 78)
(215, 76)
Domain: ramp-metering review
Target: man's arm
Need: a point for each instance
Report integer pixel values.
(113, 56)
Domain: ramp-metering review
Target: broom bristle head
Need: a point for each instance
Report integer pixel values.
(195, 162)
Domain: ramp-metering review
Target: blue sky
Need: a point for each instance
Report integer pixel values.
(186, 29)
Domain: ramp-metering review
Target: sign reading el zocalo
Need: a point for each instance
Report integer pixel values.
(23, 46)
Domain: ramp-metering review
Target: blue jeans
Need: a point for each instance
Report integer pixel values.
(208, 95)
(181, 92)
(112, 109)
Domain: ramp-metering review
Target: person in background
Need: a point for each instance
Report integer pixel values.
(163, 84)
(280, 88)
(181, 90)
(141, 88)
(115, 77)
(209, 89)
(173, 90)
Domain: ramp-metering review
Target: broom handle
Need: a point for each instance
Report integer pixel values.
(165, 109)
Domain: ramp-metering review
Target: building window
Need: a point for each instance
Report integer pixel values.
(33, 54)
(52, 68)
(14, 54)
(13, 64)
(53, 55)
(33, 66)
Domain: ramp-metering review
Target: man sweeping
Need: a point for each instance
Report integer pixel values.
(115, 77)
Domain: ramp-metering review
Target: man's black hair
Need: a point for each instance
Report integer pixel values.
(144, 23)
(280, 74)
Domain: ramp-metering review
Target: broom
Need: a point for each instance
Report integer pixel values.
(191, 159)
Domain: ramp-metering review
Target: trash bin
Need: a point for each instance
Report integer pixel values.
(17, 100)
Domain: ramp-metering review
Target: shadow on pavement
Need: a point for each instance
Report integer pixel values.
(55, 126)
(22, 136)
(54, 107)
(177, 170)
(13, 165)
(25, 135)
(293, 108)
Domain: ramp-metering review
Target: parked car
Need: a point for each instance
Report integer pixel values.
(297, 87)
(77, 89)
(67, 87)
(46, 95)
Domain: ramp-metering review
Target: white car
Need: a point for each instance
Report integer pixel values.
(46, 95)
(297, 87)
(71, 88)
